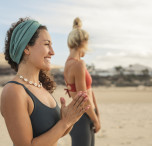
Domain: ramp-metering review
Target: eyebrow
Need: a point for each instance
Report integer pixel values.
(48, 41)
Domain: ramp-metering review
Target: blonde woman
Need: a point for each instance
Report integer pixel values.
(77, 79)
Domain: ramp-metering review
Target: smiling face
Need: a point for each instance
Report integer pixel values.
(40, 54)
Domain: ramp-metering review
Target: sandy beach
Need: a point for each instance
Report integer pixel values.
(126, 117)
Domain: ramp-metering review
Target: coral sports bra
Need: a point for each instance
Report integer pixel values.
(72, 86)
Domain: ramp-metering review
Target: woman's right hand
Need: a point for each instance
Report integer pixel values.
(71, 113)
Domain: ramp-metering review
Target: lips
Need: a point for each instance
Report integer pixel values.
(48, 59)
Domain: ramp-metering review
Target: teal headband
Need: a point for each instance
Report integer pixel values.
(20, 38)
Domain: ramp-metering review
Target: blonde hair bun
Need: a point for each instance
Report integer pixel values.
(77, 23)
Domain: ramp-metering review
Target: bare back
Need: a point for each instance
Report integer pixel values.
(74, 74)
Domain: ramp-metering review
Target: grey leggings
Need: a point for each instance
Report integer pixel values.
(82, 133)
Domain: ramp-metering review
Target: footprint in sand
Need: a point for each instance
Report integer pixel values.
(120, 127)
(102, 134)
(139, 137)
(140, 125)
(128, 142)
(124, 143)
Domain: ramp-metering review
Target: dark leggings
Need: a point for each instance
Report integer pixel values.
(82, 133)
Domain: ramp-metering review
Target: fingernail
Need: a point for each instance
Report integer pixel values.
(80, 93)
(85, 99)
(84, 95)
(87, 107)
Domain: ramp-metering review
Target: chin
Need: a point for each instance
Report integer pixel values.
(46, 68)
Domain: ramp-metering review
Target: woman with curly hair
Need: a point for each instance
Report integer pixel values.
(77, 79)
(31, 114)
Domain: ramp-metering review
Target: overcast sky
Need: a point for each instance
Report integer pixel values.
(120, 30)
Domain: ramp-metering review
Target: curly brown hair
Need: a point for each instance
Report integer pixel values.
(44, 77)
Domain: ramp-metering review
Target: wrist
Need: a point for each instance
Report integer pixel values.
(95, 120)
(65, 124)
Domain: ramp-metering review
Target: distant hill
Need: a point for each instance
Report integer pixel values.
(3, 62)
(132, 75)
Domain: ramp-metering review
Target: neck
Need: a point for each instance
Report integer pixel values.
(28, 71)
(75, 54)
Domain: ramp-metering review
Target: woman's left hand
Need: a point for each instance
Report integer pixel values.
(97, 126)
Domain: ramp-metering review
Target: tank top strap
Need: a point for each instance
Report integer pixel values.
(15, 82)
(26, 89)
(54, 98)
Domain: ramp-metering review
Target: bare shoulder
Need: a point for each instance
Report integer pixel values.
(11, 96)
(80, 65)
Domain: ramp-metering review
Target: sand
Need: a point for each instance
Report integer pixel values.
(126, 117)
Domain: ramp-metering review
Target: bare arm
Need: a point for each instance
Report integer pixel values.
(80, 83)
(67, 131)
(15, 112)
(95, 103)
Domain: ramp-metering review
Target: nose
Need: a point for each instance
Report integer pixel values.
(51, 51)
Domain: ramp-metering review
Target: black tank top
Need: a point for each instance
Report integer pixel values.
(43, 117)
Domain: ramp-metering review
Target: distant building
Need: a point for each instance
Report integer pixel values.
(103, 73)
(135, 69)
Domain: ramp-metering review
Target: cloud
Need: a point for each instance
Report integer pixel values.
(124, 59)
(120, 31)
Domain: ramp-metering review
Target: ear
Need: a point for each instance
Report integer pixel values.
(27, 51)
